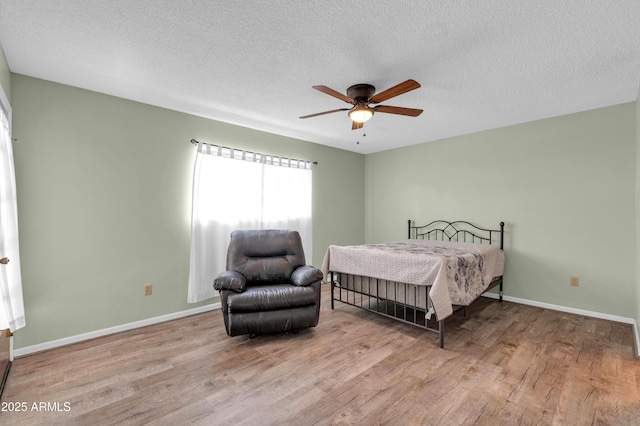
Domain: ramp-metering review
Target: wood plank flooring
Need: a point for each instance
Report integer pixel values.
(504, 364)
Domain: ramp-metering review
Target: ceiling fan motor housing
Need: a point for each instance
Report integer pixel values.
(361, 92)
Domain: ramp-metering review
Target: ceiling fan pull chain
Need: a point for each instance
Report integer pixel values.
(364, 134)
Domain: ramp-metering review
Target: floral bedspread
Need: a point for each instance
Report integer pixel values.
(457, 272)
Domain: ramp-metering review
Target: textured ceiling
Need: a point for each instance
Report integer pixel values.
(482, 64)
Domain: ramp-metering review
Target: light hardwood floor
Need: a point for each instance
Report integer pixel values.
(504, 364)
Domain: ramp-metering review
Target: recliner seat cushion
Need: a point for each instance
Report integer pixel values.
(271, 297)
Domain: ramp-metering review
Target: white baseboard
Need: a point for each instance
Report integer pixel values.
(586, 313)
(27, 350)
(150, 321)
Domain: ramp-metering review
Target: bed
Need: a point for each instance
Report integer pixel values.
(440, 268)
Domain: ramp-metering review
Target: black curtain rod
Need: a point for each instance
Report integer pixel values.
(193, 141)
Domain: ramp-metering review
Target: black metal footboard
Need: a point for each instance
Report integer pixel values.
(408, 303)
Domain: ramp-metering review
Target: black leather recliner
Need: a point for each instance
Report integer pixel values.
(268, 287)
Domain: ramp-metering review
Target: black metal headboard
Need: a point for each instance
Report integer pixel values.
(459, 231)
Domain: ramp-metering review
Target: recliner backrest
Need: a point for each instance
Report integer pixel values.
(265, 256)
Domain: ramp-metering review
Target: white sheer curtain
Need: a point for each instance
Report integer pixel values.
(234, 189)
(12, 307)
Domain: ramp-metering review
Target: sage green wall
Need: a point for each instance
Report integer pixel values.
(564, 186)
(104, 199)
(5, 75)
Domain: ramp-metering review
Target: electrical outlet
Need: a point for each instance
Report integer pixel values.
(148, 290)
(574, 281)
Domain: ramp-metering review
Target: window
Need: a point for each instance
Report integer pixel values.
(234, 189)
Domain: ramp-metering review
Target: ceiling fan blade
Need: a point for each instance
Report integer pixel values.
(325, 112)
(335, 94)
(356, 125)
(396, 90)
(411, 112)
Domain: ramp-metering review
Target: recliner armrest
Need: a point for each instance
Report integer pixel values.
(305, 275)
(230, 280)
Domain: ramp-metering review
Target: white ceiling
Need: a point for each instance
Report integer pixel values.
(482, 64)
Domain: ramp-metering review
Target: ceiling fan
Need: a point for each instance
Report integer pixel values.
(361, 96)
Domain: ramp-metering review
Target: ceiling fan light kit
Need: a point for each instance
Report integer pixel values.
(361, 113)
(362, 95)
